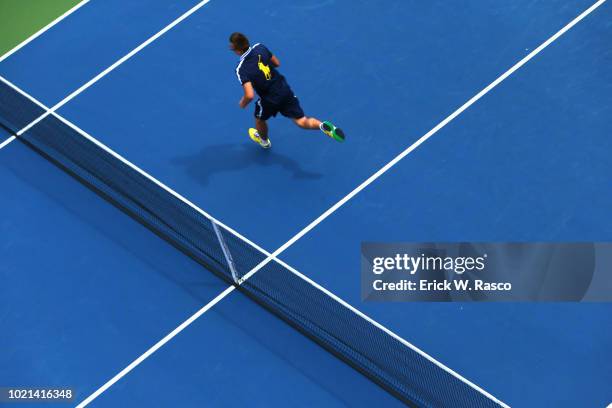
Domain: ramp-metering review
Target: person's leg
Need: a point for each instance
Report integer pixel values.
(263, 112)
(326, 127)
(292, 109)
(307, 123)
(262, 128)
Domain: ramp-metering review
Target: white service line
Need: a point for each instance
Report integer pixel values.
(155, 347)
(42, 30)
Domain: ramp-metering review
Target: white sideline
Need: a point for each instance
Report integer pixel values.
(117, 63)
(43, 30)
(155, 347)
(32, 38)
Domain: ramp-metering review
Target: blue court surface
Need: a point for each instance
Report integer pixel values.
(86, 290)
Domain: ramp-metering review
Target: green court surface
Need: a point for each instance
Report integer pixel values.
(22, 18)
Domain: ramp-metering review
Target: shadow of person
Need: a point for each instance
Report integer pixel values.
(229, 157)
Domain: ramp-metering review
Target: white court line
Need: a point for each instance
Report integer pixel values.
(155, 347)
(117, 63)
(42, 30)
(130, 54)
(7, 141)
(32, 38)
(31, 99)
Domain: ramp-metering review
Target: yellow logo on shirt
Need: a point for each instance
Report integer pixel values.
(265, 69)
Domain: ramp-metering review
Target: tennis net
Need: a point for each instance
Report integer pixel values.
(399, 368)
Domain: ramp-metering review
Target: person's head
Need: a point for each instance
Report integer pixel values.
(239, 43)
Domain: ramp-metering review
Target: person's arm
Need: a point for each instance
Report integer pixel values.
(274, 61)
(249, 94)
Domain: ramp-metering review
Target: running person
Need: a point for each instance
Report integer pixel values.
(257, 73)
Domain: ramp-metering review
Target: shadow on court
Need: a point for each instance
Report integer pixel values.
(229, 157)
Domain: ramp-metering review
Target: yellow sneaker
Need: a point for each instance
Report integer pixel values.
(254, 135)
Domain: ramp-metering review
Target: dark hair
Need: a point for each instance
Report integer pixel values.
(239, 41)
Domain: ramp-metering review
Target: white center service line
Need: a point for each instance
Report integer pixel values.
(332, 209)
(43, 30)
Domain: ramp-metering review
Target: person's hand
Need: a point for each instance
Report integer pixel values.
(244, 102)
(249, 94)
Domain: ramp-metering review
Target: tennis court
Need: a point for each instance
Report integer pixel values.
(152, 255)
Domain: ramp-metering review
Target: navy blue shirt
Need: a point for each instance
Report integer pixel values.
(255, 67)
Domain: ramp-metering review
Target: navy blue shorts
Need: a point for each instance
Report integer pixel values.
(290, 108)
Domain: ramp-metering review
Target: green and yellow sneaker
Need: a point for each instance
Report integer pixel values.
(332, 131)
